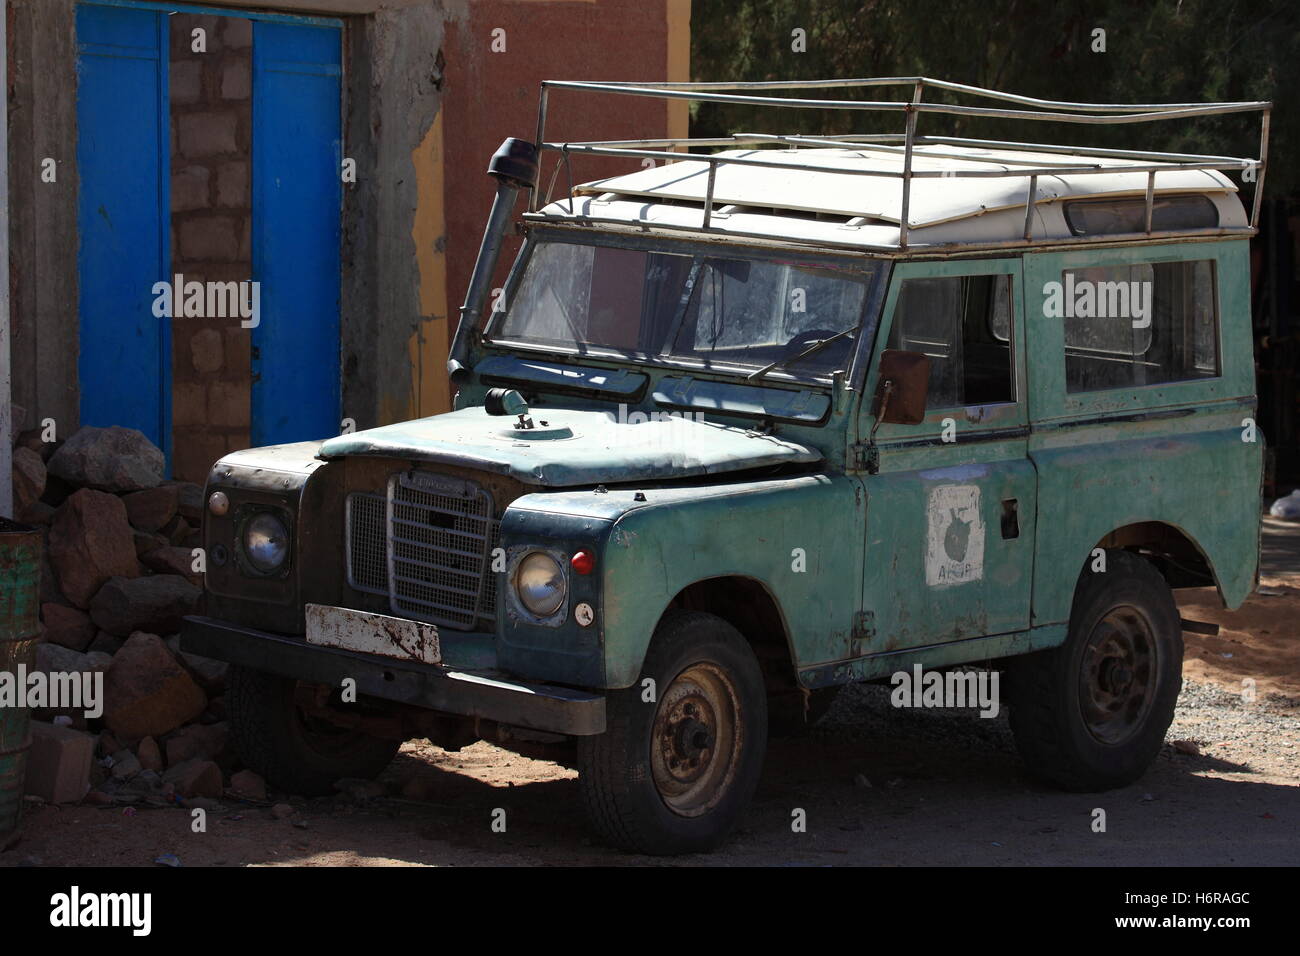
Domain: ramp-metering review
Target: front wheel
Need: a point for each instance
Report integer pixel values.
(680, 757)
(292, 750)
(1092, 714)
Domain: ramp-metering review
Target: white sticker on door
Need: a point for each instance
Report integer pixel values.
(954, 548)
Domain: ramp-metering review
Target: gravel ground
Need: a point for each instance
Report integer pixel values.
(1207, 715)
(1214, 718)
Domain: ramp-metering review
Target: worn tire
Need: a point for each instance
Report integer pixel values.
(274, 741)
(628, 788)
(1061, 697)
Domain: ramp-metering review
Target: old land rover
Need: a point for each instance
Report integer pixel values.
(762, 417)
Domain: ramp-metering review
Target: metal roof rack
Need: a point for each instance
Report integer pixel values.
(1029, 108)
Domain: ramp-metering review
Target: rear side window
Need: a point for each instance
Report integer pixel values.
(963, 323)
(1095, 217)
(1136, 325)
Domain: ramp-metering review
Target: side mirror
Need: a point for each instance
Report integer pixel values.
(903, 387)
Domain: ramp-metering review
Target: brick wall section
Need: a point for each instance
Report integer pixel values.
(211, 213)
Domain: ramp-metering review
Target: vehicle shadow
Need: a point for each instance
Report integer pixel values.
(869, 786)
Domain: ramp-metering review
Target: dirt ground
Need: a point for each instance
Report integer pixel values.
(878, 787)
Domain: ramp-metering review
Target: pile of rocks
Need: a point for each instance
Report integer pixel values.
(120, 568)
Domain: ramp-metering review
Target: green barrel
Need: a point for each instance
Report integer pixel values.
(20, 590)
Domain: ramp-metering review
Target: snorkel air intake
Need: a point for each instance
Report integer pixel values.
(514, 166)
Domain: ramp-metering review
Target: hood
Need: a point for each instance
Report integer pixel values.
(568, 447)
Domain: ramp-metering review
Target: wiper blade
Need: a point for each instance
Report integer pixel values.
(810, 350)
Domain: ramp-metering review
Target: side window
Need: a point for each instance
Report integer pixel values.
(1137, 325)
(963, 323)
(1092, 217)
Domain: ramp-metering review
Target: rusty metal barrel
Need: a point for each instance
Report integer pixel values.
(20, 588)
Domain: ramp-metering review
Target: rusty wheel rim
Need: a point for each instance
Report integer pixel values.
(321, 736)
(1118, 676)
(695, 747)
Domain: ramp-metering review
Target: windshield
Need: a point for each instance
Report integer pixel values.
(715, 311)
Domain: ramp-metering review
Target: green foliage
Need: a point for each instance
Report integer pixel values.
(1161, 51)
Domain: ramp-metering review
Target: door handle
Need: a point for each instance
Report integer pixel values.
(1010, 518)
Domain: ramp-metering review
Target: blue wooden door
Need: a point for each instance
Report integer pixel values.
(297, 196)
(123, 218)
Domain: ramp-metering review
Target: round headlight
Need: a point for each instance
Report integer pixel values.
(266, 542)
(539, 582)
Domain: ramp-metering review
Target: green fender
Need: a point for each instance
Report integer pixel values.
(1205, 484)
(800, 538)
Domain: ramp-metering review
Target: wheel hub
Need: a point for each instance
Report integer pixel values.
(687, 738)
(1115, 676)
(696, 740)
(1118, 676)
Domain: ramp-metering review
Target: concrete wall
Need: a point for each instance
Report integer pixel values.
(43, 216)
(394, 75)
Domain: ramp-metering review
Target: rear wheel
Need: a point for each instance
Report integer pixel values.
(292, 750)
(672, 774)
(1092, 714)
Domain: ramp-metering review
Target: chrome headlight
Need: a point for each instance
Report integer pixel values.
(266, 542)
(539, 583)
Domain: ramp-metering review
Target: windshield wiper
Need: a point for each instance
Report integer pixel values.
(810, 350)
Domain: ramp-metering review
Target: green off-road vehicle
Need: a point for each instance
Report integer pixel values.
(750, 423)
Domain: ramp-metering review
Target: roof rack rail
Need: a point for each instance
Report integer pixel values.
(1027, 108)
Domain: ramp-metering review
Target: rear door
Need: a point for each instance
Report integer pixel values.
(950, 511)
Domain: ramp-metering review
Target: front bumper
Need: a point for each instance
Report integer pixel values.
(474, 694)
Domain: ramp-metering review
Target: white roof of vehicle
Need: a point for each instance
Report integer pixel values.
(894, 192)
(820, 195)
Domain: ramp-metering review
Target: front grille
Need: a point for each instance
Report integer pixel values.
(368, 542)
(427, 543)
